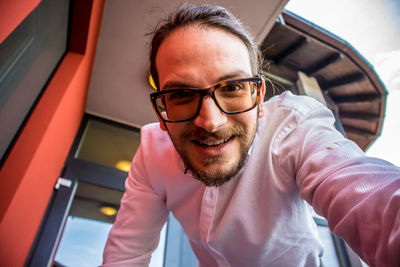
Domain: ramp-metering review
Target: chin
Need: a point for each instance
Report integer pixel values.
(213, 174)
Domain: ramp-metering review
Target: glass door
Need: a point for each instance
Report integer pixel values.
(86, 229)
(86, 198)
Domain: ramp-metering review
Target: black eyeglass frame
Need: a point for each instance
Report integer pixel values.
(207, 92)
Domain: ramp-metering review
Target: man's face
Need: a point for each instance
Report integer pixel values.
(214, 145)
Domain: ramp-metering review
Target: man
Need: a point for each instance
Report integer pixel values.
(235, 171)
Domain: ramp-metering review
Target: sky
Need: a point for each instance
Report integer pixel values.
(372, 27)
(83, 240)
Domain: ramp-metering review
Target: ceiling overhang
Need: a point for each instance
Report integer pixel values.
(347, 80)
(119, 88)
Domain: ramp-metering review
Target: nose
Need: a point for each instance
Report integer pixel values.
(210, 117)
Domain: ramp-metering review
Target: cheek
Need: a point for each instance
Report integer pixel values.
(177, 130)
(248, 120)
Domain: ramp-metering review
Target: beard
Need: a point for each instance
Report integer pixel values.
(211, 175)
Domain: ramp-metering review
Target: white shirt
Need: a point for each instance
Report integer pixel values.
(259, 218)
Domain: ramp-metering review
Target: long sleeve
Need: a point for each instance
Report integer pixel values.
(135, 233)
(358, 195)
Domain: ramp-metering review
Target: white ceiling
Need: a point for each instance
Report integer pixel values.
(119, 88)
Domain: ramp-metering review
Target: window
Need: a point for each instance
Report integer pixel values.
(81, 213)
(28, 58)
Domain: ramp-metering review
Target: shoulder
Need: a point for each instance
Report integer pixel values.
(301, 104)
(157, 147)
(291, 110)
(286, 114)
(157, 157)
(155, 141)
(152, 132)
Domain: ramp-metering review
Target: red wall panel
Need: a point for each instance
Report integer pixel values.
(31, 170)
(13, 12)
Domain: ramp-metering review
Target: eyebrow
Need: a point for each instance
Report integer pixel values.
(182, 85)
(174, 85)
(233, 75)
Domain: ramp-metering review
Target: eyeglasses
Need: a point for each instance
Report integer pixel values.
(231, 97)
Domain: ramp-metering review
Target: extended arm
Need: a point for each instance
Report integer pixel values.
(359, 195)
(135, 233)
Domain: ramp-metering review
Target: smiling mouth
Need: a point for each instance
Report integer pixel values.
(212, 142)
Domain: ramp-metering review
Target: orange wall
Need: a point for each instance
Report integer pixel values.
(13, 12)
(32, 168)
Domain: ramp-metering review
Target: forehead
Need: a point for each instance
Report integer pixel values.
(201, 55)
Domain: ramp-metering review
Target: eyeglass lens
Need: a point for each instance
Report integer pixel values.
(184, 104)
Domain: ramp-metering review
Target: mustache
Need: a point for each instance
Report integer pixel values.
(201, 134)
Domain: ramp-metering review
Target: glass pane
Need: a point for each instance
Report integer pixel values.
(329, 258)
(108, 144)
(82, 242)
(28, 58)
(88, 224)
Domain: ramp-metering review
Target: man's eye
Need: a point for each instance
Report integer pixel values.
(177, 95)
(232, 87)
(179, 98)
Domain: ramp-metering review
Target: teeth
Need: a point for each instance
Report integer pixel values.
(213, 142)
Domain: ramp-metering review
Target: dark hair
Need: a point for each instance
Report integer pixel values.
(203, 15)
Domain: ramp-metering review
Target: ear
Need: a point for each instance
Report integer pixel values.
(261, 101)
